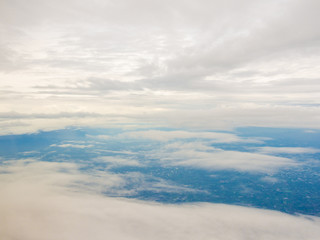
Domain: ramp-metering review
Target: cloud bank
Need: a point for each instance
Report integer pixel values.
(33, 209)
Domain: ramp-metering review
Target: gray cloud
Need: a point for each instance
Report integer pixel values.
(188, 37)
(249, 63)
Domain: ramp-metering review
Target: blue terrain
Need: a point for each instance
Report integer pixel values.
(142, 161)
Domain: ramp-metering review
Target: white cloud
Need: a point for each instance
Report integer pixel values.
(142, 110)
(34, 209)
(60, 175)
(201, 156)
(165, 136)
(287, 150)
(310, 131)
(269, 179)
(69, 145)
(118, 161)
(208, 65)
(123, 152)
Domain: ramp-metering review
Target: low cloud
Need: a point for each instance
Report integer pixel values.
(164, 136)
(69, 145)
(287, 150)
(66, 175)
(34, 209)
(269, 179)
(205, 157)
(118, 161)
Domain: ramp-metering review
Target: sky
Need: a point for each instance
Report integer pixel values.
(203, 64)
(179, 78)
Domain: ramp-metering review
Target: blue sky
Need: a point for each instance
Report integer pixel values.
(110, 109)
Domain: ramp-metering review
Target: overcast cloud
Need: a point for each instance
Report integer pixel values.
(229, 63)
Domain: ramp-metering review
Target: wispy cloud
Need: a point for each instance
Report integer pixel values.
(164, 136)
(202, 156)
(69, 145)
(118, 161)
(176, 135)
(287, 150)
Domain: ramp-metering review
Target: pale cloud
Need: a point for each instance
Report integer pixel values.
(66, 175)
(40, 209)
(310, 131)
(69, 145)
(287, 150)
(124, 152)
(118, 161)
(164, 136)
(269, 179)
(58, 175)
(208, 65)
(205, 157)
(174, 110)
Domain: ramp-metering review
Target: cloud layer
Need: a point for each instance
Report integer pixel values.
(33, 209)
(208, 65)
